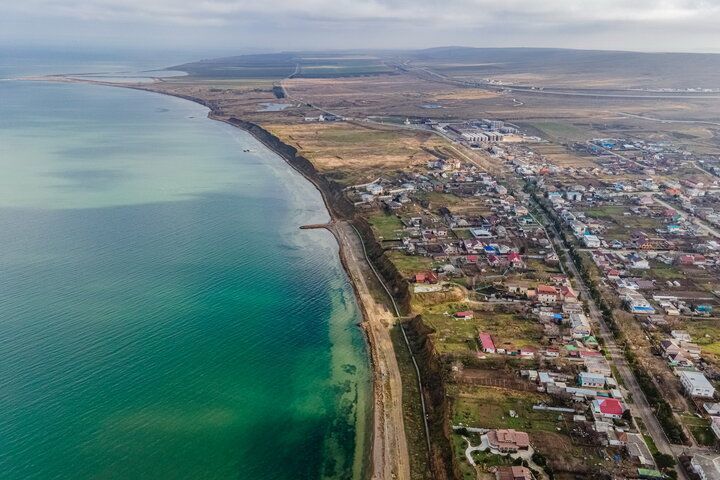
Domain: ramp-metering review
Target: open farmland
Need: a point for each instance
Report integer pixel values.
(560, 156)
(585, 69)
(399, 95)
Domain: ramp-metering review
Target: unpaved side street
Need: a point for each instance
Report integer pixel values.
(390, 450)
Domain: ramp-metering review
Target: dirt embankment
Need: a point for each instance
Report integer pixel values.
(338, 205)
(452, 293)
(390, 458)
(431, 369)
(391, 275)
(438, 408)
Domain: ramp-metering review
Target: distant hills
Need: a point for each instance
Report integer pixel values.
(547, 66)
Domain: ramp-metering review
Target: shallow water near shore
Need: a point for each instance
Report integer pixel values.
(161, 314)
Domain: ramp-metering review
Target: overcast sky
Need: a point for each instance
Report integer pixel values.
(265, 25)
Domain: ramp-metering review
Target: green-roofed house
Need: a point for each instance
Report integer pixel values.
(572, 350)
(650, 474)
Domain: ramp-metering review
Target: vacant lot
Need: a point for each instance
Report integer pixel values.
(621, 223)
(561, 157)
(489, 407)
(562, 131)
(700, 429)
(454, 335)
(706, 333)
(386, 227)
(353, 154)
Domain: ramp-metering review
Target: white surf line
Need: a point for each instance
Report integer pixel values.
(407, 342)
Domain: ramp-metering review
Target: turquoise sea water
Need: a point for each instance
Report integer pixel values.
(161, 315)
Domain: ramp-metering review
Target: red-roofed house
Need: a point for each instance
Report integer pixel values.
(568, 293)
(546, 294)
(608, 408)
(426, 277)
(691, 259)
(552, 352)
(486, 342)
(513, 473)
(515, 259)
(493, 260)
(466, 314)
(527, 352)
(508, 440)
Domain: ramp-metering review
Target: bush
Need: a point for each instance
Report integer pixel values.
(539, 459)
(664, 461)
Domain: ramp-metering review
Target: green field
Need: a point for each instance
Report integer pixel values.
(454, 335)
(662, 271)
(386, 227)
(509, 328)
(489, 407)
(700, 429)
(437, 199)
(410, 264)
(281, 65)
(349, 70)
(561, 131)
(706, 333)
(622, 226)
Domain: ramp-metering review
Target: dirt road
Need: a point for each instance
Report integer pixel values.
(390, 451)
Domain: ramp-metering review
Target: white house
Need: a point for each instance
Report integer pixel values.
(374, 189)
(573, 196)
(591, 241)
(480, 233)
(593, 380)
(580, 325)
(715, 426)
(681, 335)
(707, 467)
(712, 409)
(696, 385)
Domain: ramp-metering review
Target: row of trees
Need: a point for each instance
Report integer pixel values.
(662, 409)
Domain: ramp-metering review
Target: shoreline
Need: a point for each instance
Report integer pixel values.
(384, 463)
(388, 452)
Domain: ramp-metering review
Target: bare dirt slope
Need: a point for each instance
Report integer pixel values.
(390, 450)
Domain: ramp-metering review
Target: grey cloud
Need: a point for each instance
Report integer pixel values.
(641, 24)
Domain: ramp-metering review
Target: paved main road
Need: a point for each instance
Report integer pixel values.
(640, 407)
(712, 231)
